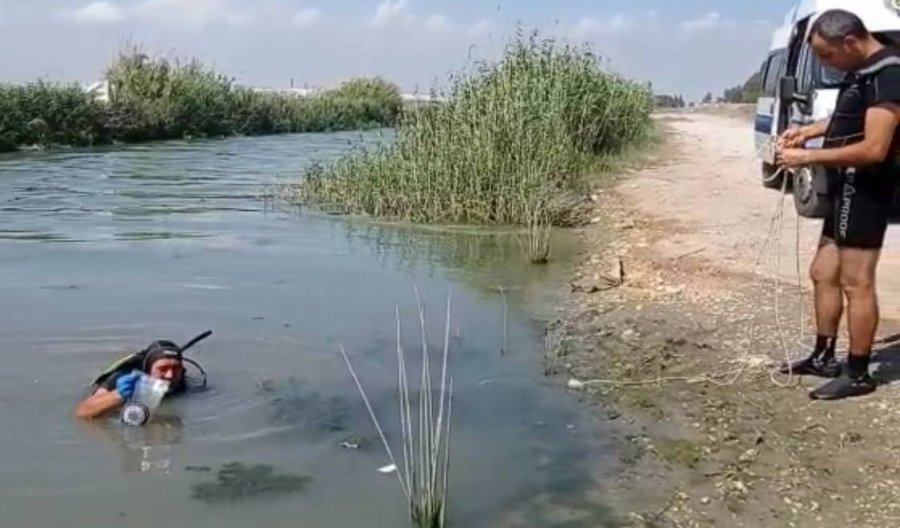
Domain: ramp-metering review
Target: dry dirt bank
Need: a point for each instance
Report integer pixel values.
(681, 353)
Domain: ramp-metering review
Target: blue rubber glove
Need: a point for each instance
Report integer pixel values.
(126, 384)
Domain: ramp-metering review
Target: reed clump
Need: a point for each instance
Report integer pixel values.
(154, 98)
(511, 145)
(423, 472)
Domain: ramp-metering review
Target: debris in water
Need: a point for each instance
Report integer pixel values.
(237, 481)
(574, 384)
(266, 385)
(387, 470)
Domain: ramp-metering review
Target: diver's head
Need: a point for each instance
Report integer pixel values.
(164, 361)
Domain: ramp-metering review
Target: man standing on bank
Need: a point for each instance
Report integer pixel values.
(860, 151)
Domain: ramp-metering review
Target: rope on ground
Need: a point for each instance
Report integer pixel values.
(779, 214)
(773, 238)
(773, 274)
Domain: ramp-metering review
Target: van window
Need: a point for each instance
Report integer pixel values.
(774, 71)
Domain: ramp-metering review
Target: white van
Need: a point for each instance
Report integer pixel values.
(797, 89)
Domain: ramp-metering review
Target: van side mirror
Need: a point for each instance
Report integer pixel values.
(787, 87)
(787, 91)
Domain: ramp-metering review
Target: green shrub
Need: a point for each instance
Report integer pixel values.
(156, 99)
(510, 146)
(40, 114)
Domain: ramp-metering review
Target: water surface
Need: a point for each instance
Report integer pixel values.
(104, 251)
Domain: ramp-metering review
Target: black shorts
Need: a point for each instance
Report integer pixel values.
(860, 208)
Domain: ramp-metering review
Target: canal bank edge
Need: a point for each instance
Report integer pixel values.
(677, 357)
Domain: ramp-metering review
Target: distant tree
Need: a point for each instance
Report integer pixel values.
(733, 95)
(753, 88)
(708, 98)
(669, 101)
(748, 92)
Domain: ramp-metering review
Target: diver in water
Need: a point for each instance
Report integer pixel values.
(162, 360)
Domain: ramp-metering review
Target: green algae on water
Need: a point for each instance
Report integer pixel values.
(236, 482)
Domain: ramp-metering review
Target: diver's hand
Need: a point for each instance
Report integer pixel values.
(126, 384)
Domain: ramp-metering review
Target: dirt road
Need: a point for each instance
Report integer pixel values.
(711, 193)
(681, 353)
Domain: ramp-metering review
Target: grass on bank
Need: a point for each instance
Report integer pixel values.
(156, 99)
(511, 146)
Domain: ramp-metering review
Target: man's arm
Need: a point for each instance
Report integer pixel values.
(881, 122)
(105, 398)
(98, 403)
(815, 130)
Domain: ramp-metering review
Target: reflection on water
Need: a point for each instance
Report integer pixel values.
(164, 241)
(492, 262)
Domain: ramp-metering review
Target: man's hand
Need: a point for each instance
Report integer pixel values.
(126, 384)
(792, 157)
(792, 138)
(796, 136)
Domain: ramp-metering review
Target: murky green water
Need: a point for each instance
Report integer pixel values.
(103, 251)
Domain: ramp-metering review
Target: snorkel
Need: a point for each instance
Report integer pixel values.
(190, 361)
(149, 391)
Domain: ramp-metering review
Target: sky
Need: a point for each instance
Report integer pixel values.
(682, 46)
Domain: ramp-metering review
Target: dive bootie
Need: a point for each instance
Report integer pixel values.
(846, 386)
(820, 365)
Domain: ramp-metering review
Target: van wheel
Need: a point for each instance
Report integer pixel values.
(807, 200)
(771, 178)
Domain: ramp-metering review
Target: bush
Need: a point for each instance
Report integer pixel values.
(156, 99)
(510, 146)
(376, 100)
(44, 115)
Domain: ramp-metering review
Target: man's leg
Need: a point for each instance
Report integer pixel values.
(825, 273)
(858, 281)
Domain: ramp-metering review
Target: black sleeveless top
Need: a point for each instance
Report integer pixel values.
(878, 81)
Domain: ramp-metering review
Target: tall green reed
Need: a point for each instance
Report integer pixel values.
(510, 146)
